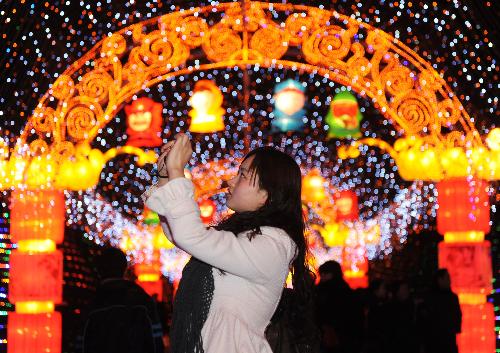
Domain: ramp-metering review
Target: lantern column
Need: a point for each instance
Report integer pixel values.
(36, 271)
(463, 218)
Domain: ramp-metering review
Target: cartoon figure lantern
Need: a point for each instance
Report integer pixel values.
(344, 116)
(206, 115)
(144, 123)
(289, 100)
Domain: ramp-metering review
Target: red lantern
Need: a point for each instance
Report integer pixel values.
(28, 333)
(144, 123)
(478, 329)
(463, 206)
(36, 277)
(37, 215)
(346, 205)
(469, 265)
(207, 210)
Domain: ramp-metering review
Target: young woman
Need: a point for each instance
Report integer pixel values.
(233, 283)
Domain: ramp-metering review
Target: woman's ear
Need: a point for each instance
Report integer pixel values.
(262, 194)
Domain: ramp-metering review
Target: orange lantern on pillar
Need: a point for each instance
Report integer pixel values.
(29, 333)
(478, 322)
(469, 265)
(346, 205)
(463, 206)
(36, 277)
(37, 215)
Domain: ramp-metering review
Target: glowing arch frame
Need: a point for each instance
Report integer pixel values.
(403, 86)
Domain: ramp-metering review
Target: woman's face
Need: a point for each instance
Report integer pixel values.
(244, 193)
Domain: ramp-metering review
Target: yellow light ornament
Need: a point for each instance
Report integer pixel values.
(206, 115)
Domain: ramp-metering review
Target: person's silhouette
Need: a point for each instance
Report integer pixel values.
(443, 317)
(122, 317)
(338, 312)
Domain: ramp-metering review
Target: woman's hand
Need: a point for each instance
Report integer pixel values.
(179, 156)
(162, 165)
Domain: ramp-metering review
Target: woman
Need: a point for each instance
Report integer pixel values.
(233, 283)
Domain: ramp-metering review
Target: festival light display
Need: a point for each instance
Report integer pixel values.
(410, 94)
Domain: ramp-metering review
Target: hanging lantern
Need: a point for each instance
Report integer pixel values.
(206, 115)
(207, 210)
(37, 215)
(463, 206)
(478, 329)
(144, 123)
(313, 187)
(29, 333)
(334, 234)
(344, 116)
(44, 284)
(346, 205)
(289, 100)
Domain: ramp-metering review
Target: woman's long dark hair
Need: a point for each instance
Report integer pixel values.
(280, 176)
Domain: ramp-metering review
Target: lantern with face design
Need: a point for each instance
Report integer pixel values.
(206, 115)
(344, 116)
(144, 123)
(289, 100)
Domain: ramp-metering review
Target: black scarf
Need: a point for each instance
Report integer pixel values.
(191, 306)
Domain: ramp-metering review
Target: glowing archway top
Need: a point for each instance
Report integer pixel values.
(400, 83)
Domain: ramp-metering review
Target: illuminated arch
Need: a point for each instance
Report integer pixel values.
(403, 86)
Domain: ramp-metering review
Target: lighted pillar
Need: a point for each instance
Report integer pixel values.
(149, 276)
(36, 271)
(463, 218)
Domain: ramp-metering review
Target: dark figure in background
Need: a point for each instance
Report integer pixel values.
(377, 320)
(442, 316)
(122, 317)
(402, 321)
(338, 312)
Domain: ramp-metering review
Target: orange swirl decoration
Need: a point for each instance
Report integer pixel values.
(161, 50)
(82, 115)
(415, 111)
(299, 27)
(96, 85)
(328, 45)
(39, 148)
(358, 65)
(429, 80)
(271, 42)
(254, 14)
(220, 43)
(43, 119)
(63, 88)
(448, 113)
(114, 45)
(62, 151)
(192, 30)
(396, 78)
